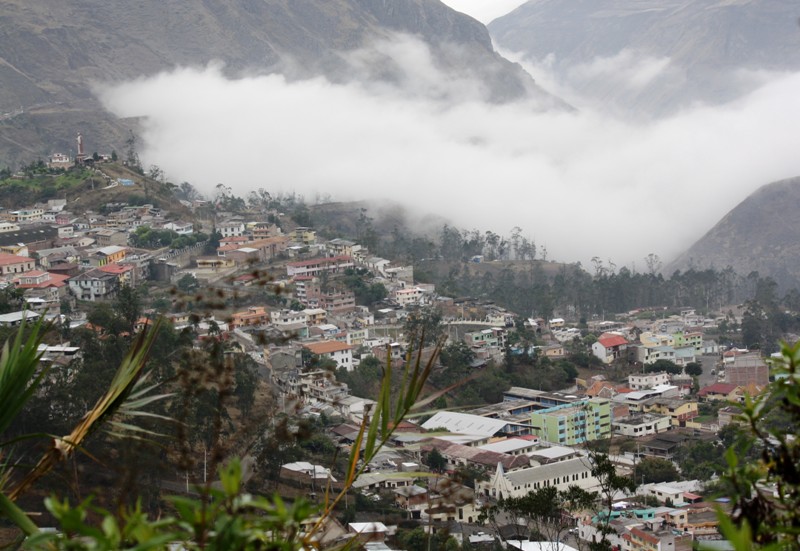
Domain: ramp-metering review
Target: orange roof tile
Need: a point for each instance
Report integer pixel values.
(327, 347)
(114, 268)
(6, 259)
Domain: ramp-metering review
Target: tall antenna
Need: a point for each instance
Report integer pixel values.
(81, 154)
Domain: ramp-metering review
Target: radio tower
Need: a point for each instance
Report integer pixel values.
(81, 155)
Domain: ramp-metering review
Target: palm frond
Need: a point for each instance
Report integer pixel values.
(118, 391)
(379, 424)
(18, 378)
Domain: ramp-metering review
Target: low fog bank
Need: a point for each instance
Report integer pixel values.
(635, 86)
(584, 183)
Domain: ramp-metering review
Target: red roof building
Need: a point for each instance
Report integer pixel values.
(609, 347)
(337, 351)
(14, 264)
(717, 391)
(38, 279)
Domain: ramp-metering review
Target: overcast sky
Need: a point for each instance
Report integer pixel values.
(582, 183)
(484, 10)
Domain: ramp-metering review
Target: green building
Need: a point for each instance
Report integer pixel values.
(574, 423)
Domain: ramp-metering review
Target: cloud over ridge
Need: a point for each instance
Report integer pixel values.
(583, 183)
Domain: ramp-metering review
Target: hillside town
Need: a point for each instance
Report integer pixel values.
(651, 390)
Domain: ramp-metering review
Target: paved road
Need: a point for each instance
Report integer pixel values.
(709, 364)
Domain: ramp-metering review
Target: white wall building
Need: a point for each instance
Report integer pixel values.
(231, 229)
(339, 352)
(561, 474)
(413, 295)
(641, 425)
(644, 381)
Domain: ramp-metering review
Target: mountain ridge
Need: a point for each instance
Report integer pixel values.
(48, 63)
(762, 233)
(695, 51)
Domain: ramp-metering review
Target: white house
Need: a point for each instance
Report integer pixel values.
(94, 284)
(609, 347)
(231, 229)
(288, 317)
(181, 228)
(648, 380)
(413, 295)
(641, 425)
(339, 352)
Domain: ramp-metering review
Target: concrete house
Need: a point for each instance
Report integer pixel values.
(339, 352)
(13, 264)
(93, 285)
(609, 347)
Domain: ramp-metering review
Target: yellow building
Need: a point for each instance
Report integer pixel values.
(679, 411)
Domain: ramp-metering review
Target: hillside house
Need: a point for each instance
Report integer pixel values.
(104, 255)
(609, 347)
(255, 316)
(641, 425)
(720, 391)
(42, 290)
(15, 319)
(342, 247)
(646, 381)
(110, 237)
(231, 229)
(93, 285)
(339, 352)
(13, 264)
(125, 273)
(26, 215)
(315, 316)
(304, 236)
(181, 228)
(494, 337)
(406, 297)
(318, 266)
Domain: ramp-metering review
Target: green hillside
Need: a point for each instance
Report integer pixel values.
(85, 188)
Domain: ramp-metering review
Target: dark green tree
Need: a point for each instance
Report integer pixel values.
(128, 306)
(609, 483)
(694, 369)
(655, 469)
(424, 324)
(187, 284)
(663, 365)
(765, 486)
(435, 461)
(541, 510)
(245, 382)
(10, 299)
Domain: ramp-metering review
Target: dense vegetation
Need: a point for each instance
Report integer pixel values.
(151, 238)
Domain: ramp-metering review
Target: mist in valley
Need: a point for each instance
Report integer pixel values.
(584, 181)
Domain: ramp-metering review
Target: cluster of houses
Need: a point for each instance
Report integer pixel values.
(53, 255)
(530, 440)
(512, 445)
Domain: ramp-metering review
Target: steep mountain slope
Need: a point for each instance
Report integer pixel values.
(674, 51)
(762, 233)
(51, 53)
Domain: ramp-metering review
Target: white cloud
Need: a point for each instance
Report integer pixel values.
(626, 68)
(484, 11)
(583, 183)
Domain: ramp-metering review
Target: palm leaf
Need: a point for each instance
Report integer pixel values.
(18, 378)
(376, 430)
(118, 391)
